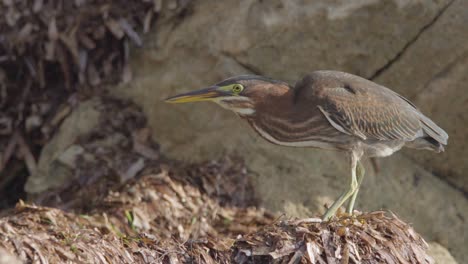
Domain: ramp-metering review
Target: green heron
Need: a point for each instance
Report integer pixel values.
(327, 110)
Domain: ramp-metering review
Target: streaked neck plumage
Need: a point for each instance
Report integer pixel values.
(284, 121)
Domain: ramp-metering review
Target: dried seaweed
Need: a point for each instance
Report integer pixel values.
(177, 224)
(376, 237)
(54, 52)
(226, 179)
(155, 219)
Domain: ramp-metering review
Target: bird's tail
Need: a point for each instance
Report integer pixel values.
(436, 133)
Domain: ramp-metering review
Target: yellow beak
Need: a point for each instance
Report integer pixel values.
(207, 94)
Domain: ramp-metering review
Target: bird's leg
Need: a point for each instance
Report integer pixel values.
(346, 194)
(360, 171)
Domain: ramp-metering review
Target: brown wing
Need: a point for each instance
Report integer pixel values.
(369, 116)
(361, 108)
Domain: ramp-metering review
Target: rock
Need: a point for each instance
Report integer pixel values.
(432, 73)
(101, 135)
(81, 121)
(7, 258)
(285, 39)
(440, 254)
(452, 114)
(288, 39)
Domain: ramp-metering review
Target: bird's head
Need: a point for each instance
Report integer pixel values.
(241, 94)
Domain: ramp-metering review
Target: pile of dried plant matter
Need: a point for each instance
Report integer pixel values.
(75, 42)
(376, 237)
(153, 220)
(184, 229)
(52, 53)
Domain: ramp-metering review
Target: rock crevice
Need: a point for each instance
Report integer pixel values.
(397, 56)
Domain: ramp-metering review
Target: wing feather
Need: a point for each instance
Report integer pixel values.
(359, 107)
(371, 114)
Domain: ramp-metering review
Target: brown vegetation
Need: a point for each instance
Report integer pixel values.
(160, 220)
(52, 55)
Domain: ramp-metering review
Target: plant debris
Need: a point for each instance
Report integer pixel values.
(376, 237)
(152, 220)
(54, 53)
(226, 179)
(174, 226)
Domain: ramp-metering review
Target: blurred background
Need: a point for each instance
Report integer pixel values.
(59, 67)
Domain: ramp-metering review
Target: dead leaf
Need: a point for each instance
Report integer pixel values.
(127, 28)
(115, 28)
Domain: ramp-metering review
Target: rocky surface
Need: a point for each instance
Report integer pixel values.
(431, 71)
(51, 173)
(8, 258)
(440, 254)
(416, 48)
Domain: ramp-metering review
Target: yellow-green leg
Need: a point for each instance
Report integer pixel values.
(353, 186)
(360, 171)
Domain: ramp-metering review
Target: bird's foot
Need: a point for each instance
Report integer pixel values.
(341, 214)
(329, 215)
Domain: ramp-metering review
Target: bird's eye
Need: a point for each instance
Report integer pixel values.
(237, 88)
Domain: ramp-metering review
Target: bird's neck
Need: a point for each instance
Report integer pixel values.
(281, 106)
(284, 120)
(275, 109)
